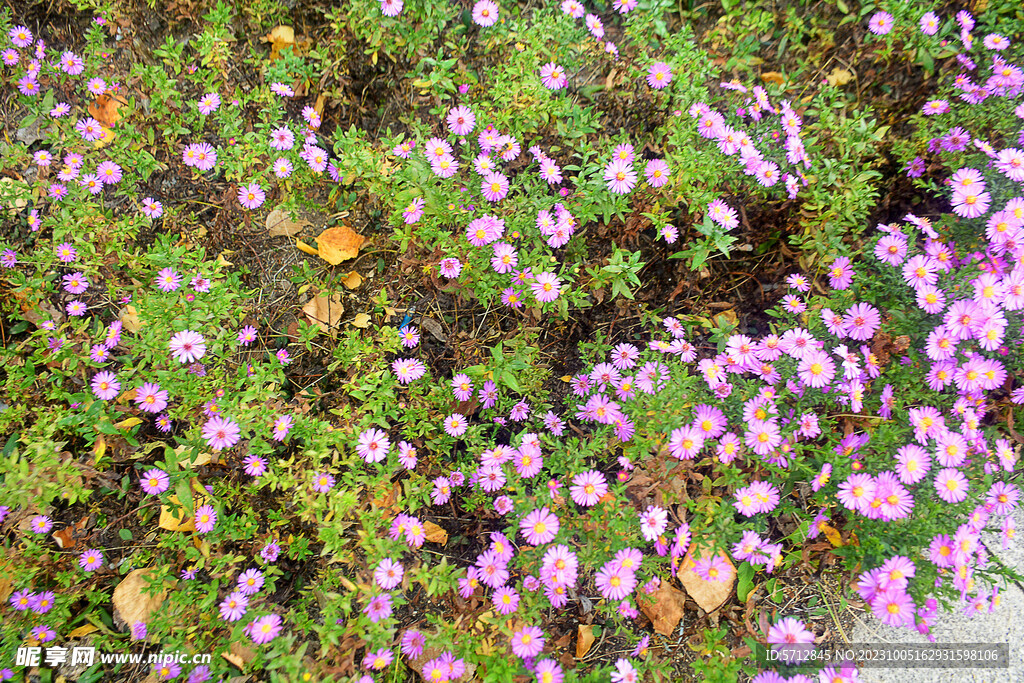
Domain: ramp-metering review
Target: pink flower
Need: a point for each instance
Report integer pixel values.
(840, 274)
(528, 642)
(105, 385)
(265, 629)
(620, 176)
(205, 519)
(373, 445)
(588, 488)
(659, 75)
(151, 398)
(539, 527)
(485, 13)
(494, 187)
(391, 8)
(450, 267)
(221, 433)
(929, 23)
(167, 280)
(545, 287)
(388, 574)
(461, 120)
(685, 442)
(880, 23)
(455, 425)
(187, 346)
(155, 481)
(715, 568)
(251, 196)
(614, 581)
(657, 172)
(553, 76)
(791, 639)
(951, 485)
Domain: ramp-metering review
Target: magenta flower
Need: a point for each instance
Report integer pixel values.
(951, 485)
(282, 425)
(208, 103)
(657, 172)
(528, 642)
(388, 574)
(187, 346)
(546, 287)
(251, 196)
(791, 639)
(323, 482)
(455, 425)
(659, 75)
(553, 76)
(255, 466)
(167, 280)
(221, 433)
(620, 176)
(461, 120)
(155, 481)
(539, 526)
(151, 398)
(881, 23)
(105, 385)
(373, 445)
(462, 387)
(840, 274)
(205, 519)
(450, 267)
(250, 581)
(90, 560)
(408, 369)
(505, 600)
(378, 608)
(247, 335)
(265, 629)
(234, 607)
(614, 581)
(588, 488)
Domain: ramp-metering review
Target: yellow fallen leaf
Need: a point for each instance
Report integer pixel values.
(347, 583)
(83, 631)
(100, 447)
(353, 280)
(106, 139)
(839, 76)
(584, 640)
(171, 517)
(128, 423)
(339, 244)
(435, 534)
(222, 262)
(280, 223)
(104, 109)
(362, 321)
(324, 311)
(832, 534)
(132, 599)
(280, 38)
(772, 77)
(130, 319)
(302, 246)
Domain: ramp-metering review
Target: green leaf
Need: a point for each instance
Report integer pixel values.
(744, 581)
(125, 534)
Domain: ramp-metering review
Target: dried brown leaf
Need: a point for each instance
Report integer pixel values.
(584, 640)
(362, 321)
(131, 600)
(435, 534)
(666, 610)
(709, 595)
(104, 109)
(280, 223)
(339, 244)
(353, 280)
(324, 311)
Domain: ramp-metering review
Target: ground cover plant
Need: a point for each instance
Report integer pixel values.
(302, 389)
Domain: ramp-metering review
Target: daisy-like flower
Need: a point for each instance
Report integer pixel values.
(373, 445)
(653, 522)
(323, 482)
(881, 23)
(152, 208)
(155, 481)
(151, 398)
(168, 280)
(96, 86)
(221, 433)
(247, 335)
(20, 36)
(528, 642)
(659, 75)
(255, 466)
(414, 211)
(250, 581)
(388, 574)
(251, 196)
(929, 23)
(657, 172)
(282, 138)
(588, 488)
(408, 369)
(187, 346)
(282, 425)
(791, 637)
(553, 76)
(840, 274)
(378, 608)
(90, 560)
(485, 13)
(545, 287)
(539, 526)
(208, 103)
(76, 308)
(455, 425)
(935, 107)
(620, 176)
(234, 606)
(450, 267)
(410, 336)
(105, 385)
(715, 568)
(494, 187)
(265, 629)
(205, 519)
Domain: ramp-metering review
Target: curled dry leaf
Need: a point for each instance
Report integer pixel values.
(353, 280)
(174, 518)
(435, 534)
(132, 601)
(280, 38)
(362, 321)
(339, 244)
(584, 640)
(666, 610)
(324, 311)
(302, 246)
(280, 223)
(104, 109)
(709, 595)
(130, 319)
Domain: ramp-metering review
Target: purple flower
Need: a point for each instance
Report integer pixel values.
(205, 519)
(221, 433)
(659, 75)
(155, 481)
(90, 560)
(265, 629)
(187, 346)
(378, 608)
(251, 196)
